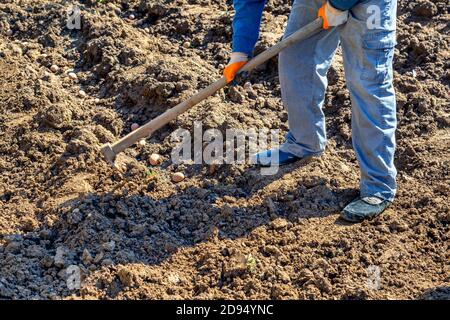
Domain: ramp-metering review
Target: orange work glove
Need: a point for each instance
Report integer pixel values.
(237, 61)
(331, 16)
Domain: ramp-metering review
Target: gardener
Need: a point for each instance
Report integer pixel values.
(366, 31)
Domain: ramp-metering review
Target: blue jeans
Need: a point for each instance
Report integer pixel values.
(367, 42)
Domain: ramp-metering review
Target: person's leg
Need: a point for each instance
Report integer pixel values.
(302, 69)
(368, 41)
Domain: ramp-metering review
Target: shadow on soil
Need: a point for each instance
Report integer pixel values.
(438, 293)
(156, 228)
(124, 228)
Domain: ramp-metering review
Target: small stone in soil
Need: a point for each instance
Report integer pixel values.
(142, 142)
(82, 93)
(186, 45)
(9, 33)
(54, 68)
(154, 159)
(72, 75)
(279, 223)
(134, 126)
(132, 16)
(177, 177)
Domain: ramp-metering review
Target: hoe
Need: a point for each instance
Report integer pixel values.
(110, 151)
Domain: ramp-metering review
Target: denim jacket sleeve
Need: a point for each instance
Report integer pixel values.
(246, 24)
(247, 21)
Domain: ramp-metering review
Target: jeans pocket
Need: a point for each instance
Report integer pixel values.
(378, 51)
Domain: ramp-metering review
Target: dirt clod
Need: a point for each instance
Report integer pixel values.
(229, 231)
(60, 257)
(86, 257)
(279, 223)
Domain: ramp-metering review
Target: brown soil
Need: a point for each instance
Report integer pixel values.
(223, 232)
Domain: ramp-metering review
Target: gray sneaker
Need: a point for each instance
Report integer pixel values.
(366, 208)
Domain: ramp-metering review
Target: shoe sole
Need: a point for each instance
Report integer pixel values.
(280, 164)
(344, 217)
